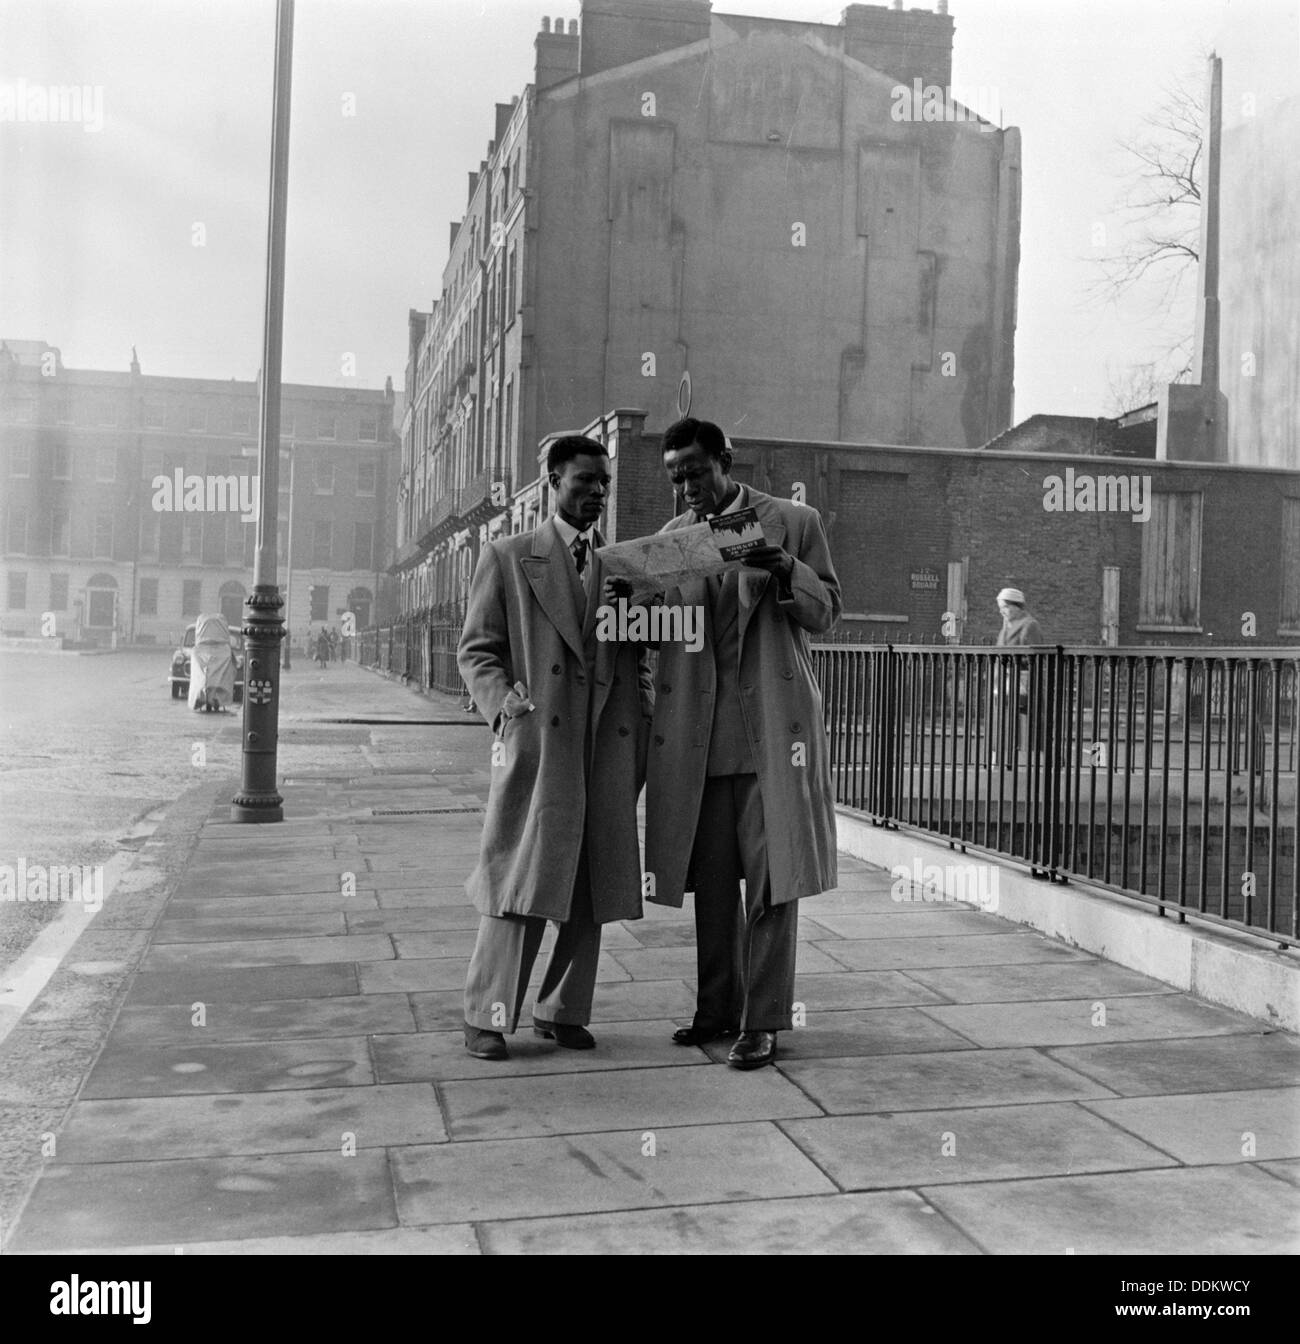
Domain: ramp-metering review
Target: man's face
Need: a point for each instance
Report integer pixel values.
(581, 488)
(699, 479)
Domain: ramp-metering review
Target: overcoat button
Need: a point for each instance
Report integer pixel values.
(794, 727)
(658, 741)
(788, 675)
(622, 732)
(555, 667)
(555, 721)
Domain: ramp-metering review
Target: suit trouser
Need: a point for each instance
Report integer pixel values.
(745, 955)
(506, 949)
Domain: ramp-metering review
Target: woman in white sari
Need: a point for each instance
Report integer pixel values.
(212, 666)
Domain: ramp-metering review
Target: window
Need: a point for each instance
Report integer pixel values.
(192, 536)
(20, 459)
(320, 602)
(511, 298)
(191, 596)
(324, 477)
(106, 464)
(288, 420)
(1290, 615)
(507, 429)
(155, 417)
(104, 536)
(1171, 563)
(60, 532)
(149, 534)
(327, 425)
(148, 597)
(58, 592)
(363, 546)
(366, 475)
(368, 427)
(241, 418)
(17, 590)
(322, 545)
(61, 462)
(106, 409)
(62, 408)
(16, 532)
(198, 418)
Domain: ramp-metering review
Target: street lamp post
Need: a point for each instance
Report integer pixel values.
(258, 799)
(288, 570)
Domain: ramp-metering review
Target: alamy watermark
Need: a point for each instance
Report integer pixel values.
(1078, 492)
(37, 883)
(206, 494)
(658, 624)
(933, 102)
(43, 103)
(968, 883)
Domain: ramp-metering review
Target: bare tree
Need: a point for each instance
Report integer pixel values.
(1160, 204)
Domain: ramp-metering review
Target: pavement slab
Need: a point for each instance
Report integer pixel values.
(1076, 1021)
(509, 1108)
(287, 903)
(248, 1123)
(265, 1020)
(1197, 1064)
(1197, 1211)
(217, 985)
(914, 923)
(977, 949)
(877, 1031)
(1050, 980)
(118, 1204)
(242, 927)
(672, 963)
(895, 1222)
(421, 1056)
(270, 952)
(931, 1081)
(992, 1143)
(451, 1239)
(414, 920)
(1214, 1127)
(154, 1070)
(590, 1173)
(628, 1001)
(860, 989)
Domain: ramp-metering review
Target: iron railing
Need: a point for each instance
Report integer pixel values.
(1168, 775)
(420, 648)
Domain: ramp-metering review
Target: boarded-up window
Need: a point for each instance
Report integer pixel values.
(1171, 562)
(1290, 619)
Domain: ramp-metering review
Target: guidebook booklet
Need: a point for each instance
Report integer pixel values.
(736, 534)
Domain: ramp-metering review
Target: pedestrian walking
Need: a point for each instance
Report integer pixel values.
(739, 784)
(323, 648)
(570, 714)
(1019, 630)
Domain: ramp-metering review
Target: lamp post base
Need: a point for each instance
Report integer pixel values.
(259, 800)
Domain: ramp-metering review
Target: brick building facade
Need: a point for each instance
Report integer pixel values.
(98, 544)
(684, 202)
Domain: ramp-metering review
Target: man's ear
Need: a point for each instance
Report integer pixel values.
(554, 478)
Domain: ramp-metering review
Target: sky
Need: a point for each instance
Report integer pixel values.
(149, 229)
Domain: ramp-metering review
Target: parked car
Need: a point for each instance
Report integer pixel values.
(180, 673)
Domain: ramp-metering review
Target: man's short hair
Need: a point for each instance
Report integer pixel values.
(688, 431)
(568, 447)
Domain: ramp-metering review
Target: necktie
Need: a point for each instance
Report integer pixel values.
(580, 548)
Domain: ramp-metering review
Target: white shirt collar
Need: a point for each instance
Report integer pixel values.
(569, 534)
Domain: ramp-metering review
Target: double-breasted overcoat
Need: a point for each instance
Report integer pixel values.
(574, 764)
(782, 708)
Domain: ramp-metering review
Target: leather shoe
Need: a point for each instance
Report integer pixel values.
(485, 1044)
(694, 1035)
(753, 1050)
(566, 1034)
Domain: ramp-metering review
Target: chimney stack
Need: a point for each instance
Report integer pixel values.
(906, 46)
(615, 32)
(557, 54)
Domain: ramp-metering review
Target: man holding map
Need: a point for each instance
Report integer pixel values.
(738, 783)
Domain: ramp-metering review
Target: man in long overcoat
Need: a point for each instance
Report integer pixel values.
(570, 714)
(739, 782)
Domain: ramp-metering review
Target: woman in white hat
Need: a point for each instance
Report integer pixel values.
(1018, 628)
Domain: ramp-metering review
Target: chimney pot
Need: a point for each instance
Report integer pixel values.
(546, 25)
(573, 27)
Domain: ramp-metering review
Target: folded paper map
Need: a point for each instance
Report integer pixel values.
(669, 559)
